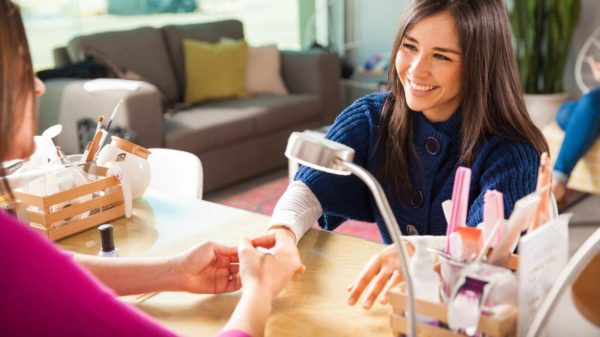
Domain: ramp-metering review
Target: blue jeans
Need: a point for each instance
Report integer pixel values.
(581, 122)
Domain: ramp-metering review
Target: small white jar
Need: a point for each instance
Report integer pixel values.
(136, 159)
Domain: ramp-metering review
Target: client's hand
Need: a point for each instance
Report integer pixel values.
(285, 240)
(206, 269)
(385, 269)
(265, 274)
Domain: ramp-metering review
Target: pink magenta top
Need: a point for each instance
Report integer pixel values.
(44, 293)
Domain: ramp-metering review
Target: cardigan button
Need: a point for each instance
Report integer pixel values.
(433, 146)
(412, 230)
(416, 199)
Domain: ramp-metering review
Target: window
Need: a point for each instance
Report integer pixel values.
(52, 24)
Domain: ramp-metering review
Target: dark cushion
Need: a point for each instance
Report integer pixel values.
(141, 50)
(207, 32)
(220, 123)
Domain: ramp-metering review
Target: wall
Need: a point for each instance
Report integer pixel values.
(588, 22)
(376, 20)
(372, 24)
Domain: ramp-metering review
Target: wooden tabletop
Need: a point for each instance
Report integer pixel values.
(313, 304)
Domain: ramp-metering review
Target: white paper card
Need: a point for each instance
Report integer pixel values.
(104, 84)
(543, 254)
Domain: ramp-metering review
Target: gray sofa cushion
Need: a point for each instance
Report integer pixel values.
(141, 50)
(219, 123)
(208, 32)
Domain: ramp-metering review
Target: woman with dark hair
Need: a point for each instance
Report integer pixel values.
(46, 292)
(455, 100)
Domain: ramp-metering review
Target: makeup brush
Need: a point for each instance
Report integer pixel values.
(113, 115)
(62, 156)
(87, 150)
(100, 120)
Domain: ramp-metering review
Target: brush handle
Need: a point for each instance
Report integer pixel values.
(95, 146)
(544, 179)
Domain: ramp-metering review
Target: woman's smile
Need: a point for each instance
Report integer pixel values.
(420, 90)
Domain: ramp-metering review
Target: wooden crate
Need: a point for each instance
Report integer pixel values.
(501, 325)
(45, 218)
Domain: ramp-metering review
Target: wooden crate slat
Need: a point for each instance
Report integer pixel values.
(30, 199)
(87, 223)
(118, 203)
(436, 311)
(80, 191)
(37, 217)
(102, 171)
(42, 231)
(400, 324)
(89, 205)
(501, 325)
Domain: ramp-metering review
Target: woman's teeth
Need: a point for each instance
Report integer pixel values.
(421, 88)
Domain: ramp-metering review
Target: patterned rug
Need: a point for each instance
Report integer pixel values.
(263, 199)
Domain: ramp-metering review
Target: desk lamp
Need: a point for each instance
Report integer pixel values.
(335, 158)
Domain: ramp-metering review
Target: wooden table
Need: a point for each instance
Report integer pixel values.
(313, 304)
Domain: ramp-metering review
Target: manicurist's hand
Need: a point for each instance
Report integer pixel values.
(284, 239)
(208, 269)
(383, 271)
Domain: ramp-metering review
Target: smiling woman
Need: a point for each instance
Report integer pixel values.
(429, 64)
(455, 100)
(464, 50)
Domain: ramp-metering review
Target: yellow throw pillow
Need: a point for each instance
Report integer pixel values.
(214, 70)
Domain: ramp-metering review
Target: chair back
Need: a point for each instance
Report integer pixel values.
(176, 172)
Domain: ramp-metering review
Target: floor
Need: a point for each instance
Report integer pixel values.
(585, 221)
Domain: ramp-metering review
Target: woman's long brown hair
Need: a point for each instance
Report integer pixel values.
(16, 76)
(492, 105)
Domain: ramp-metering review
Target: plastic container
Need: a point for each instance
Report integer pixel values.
(136, 159)
(426, 281)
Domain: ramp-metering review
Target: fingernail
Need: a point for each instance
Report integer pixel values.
(383, 299)
(367, 304)
(351, 301)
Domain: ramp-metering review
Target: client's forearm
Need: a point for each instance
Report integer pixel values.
(127, 276)
(250, 314)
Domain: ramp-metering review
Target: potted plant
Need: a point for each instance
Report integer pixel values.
(542, 31)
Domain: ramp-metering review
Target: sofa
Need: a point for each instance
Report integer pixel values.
(234, 138)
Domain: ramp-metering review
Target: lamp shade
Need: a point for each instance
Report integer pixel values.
(319, 153)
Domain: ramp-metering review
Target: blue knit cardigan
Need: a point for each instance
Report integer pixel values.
(507, 166)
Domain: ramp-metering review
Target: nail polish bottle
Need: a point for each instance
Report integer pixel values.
(108, 244)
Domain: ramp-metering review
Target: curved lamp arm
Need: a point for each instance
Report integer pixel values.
(395, 233)
(577, 263)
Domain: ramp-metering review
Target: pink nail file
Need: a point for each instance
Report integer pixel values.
(460, 202)
(493, 210)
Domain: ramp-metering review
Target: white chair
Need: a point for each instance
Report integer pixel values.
(586, 257)
(176, 172)
(583, 72)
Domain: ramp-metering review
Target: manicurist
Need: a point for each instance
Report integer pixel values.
(47, 292)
